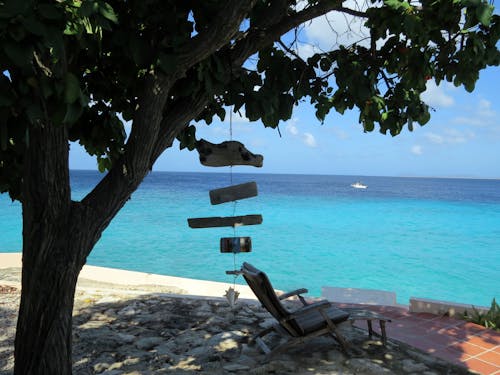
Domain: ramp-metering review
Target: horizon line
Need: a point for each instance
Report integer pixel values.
(312, 174)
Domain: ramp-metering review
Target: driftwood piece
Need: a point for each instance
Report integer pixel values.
(229, 221)
(235, 245)
(226, 153)
(233, 193)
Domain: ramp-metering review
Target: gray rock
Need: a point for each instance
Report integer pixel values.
(410, 365)
(148, 343)
(112, 372)
(267, 323)
(100, 367)
(233, 367)
(125, 338)
(246, 360)
(128, 311)
(366, 366)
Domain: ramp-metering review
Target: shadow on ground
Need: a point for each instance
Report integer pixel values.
(161, 334)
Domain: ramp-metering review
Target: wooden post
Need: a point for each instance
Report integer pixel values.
(226, 154)
(233, 193)
(230, 221)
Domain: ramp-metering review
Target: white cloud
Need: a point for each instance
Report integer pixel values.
(450, 136)
(481, 116)
(292, 129)
(434, 138)
(340, 134)
(306, 50)
(337, 28)
(309, 140)
(484, 109)
(436, 96)
(416, 150)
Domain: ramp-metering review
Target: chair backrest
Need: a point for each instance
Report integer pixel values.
(264, 291)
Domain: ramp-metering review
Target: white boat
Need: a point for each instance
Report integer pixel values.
(359, 185)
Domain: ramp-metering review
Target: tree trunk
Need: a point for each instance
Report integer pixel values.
(59, 234)
(43, 337)
(52, 256)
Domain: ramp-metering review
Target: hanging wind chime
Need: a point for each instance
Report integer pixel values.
(229, 154)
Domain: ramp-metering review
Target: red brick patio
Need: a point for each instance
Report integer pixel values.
(456, 341)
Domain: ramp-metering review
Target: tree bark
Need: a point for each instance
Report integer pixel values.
(59, 234)
(51, 262)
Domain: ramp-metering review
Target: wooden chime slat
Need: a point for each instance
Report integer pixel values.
(226, 154)
(235, 245)
(230, 221)
(233, 193)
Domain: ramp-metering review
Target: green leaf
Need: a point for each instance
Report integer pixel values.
(20, 54)
(73, 113)
(71, 88)
(484, 12)
(88, 8)
(107, 12)
(187, 138)
(424, 118)
(103, 164)
(49, 11)
(12, 8)
(34, 26)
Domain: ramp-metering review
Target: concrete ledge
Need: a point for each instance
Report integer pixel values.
(361, 296)
(436, 307)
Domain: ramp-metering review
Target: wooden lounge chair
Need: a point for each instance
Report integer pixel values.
(310, 320)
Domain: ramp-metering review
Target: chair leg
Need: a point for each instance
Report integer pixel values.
(257, 339)
(341, 340)
(335, 332)
(383, 333)
(370, 328)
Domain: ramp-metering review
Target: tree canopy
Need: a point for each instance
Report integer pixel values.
(76, 70)
(81, 64)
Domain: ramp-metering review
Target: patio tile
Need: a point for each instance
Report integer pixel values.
(451, 355)
(422, 344)
(482, 367)
(440, 339)
(427, 316)
(490, 357)
(482, 342)
(453, 340)
(455, 332)
(467, 348)
(491, 336)
(472, 329)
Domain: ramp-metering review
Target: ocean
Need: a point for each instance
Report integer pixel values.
(419, 237)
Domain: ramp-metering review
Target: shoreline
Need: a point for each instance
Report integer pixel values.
(125, 322)
(134, 282)
(95, 277)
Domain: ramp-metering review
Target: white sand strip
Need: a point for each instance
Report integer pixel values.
(132, 278)
(9, 260)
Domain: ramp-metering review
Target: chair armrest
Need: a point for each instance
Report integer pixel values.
(293, 293)
(320, 305)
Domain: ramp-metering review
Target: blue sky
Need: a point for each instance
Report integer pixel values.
(461, 140)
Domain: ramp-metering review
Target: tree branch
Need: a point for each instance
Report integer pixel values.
(222, 29)
(154, 129)
(256, 39)
(188, 108)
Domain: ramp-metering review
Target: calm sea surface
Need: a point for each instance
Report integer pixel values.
(421, 237)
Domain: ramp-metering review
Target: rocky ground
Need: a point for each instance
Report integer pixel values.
(146, 331)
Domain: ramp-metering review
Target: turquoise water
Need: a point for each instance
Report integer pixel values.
(420, 237)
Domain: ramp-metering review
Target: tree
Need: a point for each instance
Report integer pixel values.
(74, 70)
